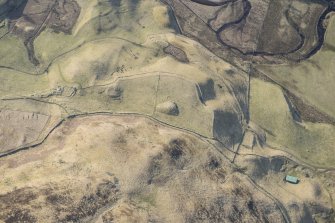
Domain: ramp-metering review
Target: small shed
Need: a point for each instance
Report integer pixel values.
(291, 179)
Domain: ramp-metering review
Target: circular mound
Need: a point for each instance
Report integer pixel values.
(114, 92)
(168, 107)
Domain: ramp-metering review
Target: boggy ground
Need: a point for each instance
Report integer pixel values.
(259, 31)
(127, 169)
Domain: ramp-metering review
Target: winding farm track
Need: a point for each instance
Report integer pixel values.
(321, 33)
(246, 12)
(211, 3)
(321, 30)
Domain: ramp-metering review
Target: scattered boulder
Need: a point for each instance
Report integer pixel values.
(168, 107)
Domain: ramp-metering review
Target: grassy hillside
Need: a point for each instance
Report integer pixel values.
(310, 142)
(312, 80)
